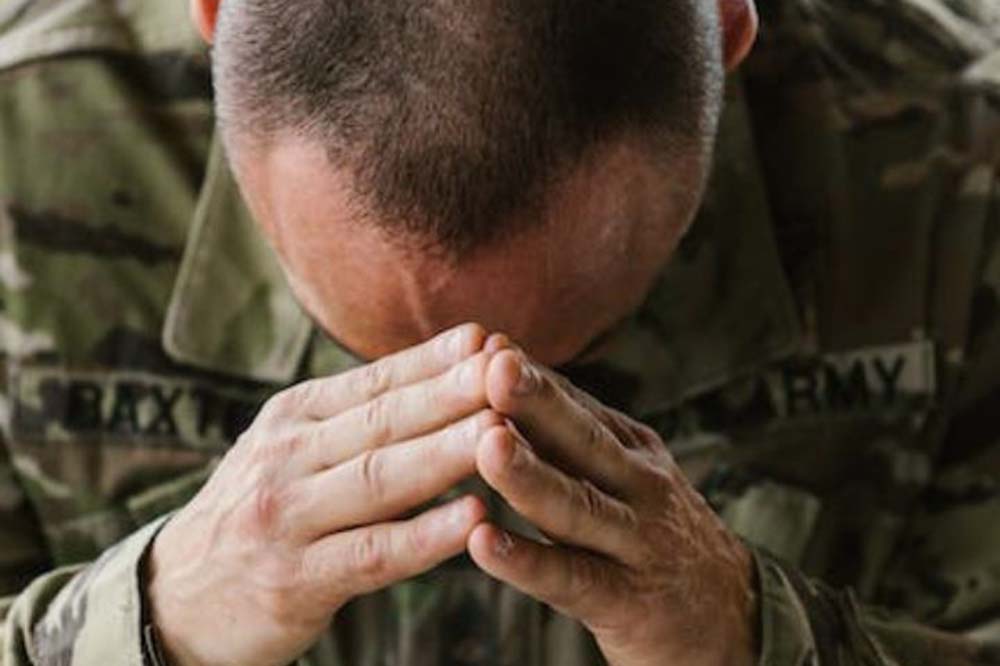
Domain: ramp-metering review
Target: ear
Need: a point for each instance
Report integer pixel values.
(204, 13)
(739, 30)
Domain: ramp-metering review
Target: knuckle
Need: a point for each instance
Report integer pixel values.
(244, 446)
(440, 391)
(280, 593)
(374, 417)
(369, 556)
(274, 603)
(659, 475)
(587, 507)
(295, 398)
(629, 519)
(278, 446)
(371, 472)
(321, 581)
(590, 500)
(278, 605)
(293, 441)
(455, 387)
(645, 434)
(277, 407)
(265, 506)
(324, 579)
(303, 394)
(418, 539)
(309, 395)
(654, 488)
(646, 439)
(372, 380)
(593, 434)
(648, 555)
(586, 578)
(313, 571)
(574, 584)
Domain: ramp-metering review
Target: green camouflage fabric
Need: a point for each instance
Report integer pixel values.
(822, 356)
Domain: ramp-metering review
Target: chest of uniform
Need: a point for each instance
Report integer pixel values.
(102, 450)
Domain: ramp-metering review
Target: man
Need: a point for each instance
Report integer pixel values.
(531, 166)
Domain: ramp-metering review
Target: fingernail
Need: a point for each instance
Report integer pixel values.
(504, 545)
(527, 381)
(496, 342)
(517, 458)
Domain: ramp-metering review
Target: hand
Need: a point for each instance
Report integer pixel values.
(637, 556)
(304, 511)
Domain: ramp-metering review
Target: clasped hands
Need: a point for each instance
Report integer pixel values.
(314, 505)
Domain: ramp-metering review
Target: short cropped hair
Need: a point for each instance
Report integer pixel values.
(455, 117)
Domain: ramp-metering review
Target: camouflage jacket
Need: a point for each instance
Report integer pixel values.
(822, 356)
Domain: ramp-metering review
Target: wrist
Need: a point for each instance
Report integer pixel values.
(723, 632)
(740, 644)
(162, 620)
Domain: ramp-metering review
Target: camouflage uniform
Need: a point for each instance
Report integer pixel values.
(823, 355)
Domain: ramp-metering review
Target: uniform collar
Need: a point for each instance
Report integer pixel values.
(231, 310)
(33, 30)
(721, 309)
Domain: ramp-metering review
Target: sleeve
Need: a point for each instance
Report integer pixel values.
(22, 547)
(80, 615)
(945, 574)
(804, 622)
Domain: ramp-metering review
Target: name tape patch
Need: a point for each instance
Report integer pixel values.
(50, 403)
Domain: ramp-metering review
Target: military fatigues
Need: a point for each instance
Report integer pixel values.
(823, 355)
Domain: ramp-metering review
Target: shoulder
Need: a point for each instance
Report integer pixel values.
(105, 126)
(909, 46)
(37, 29)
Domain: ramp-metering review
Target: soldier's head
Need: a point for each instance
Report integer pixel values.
(529, 164)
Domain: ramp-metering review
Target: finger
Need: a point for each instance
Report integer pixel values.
(631, 434)
(563, 430)
(496, 342)
(384, 483)
(399, 415)
(369, 558)
(327, 396)
(573, 582)
(568, 510)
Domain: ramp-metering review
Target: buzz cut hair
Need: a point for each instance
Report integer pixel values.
(455, 118)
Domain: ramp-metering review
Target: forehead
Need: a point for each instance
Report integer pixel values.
(553, 284)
